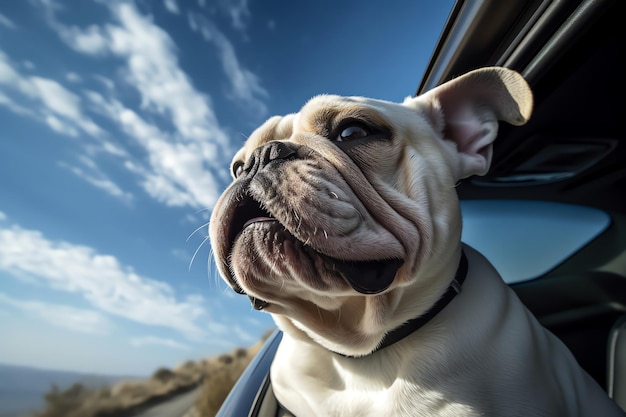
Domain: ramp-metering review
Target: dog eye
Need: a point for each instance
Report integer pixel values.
(237, 169)
(352, 132)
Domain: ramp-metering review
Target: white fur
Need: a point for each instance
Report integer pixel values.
(392, 198)
(483, 355)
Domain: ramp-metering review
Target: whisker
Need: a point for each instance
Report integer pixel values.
(319, 313)
(216, 274)
(197, 230)
(197, 250)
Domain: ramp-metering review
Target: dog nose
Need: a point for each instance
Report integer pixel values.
(266, 154)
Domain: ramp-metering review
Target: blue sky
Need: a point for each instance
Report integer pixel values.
(119, 120)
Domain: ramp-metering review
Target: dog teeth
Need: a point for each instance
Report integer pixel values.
(257, 220)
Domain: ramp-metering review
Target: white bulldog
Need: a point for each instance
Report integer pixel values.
(343, 222)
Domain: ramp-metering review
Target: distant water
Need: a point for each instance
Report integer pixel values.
(22, 388)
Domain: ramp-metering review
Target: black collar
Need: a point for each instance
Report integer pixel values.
(412, 325)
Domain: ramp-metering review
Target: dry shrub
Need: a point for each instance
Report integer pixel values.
(64, 403)
(214, 391)
(163, 375)
(126, 398)
(220, 378)
(119, 401)
(226, 359)
(129, 393)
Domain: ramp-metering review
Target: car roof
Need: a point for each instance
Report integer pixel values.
(572, 150)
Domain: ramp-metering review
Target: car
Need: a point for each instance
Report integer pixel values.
(551, 212)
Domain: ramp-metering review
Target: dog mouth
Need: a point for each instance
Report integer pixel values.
(366, 277)
(247, 212)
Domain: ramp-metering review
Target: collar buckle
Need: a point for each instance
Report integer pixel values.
(456, 286)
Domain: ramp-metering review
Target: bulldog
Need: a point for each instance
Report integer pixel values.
(343, 223)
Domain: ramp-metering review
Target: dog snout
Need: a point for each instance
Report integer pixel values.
(264, 155)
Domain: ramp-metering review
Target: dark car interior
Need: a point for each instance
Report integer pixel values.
(573, 150)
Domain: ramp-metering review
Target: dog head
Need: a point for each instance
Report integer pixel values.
(343, 221)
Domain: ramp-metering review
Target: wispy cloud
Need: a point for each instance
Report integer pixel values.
(63, 316)
(181, 165)
(62, 111)
(181, 254)
(54, 104)
(48, 102)
(91, 40)
(171, 6)
(88, 171)
(246, 88)
(106, 82)
(101, 280)
(18, 109)
(7, 23)
(178, 172)
(73, 77)
(54, 96)
(58, 126)
(238, 11)
(243, 335)
(158, 341)
(183, 143)
(151, 67)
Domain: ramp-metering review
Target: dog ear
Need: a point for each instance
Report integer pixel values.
(466, 111)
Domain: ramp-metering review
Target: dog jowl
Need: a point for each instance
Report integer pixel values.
(342, 221)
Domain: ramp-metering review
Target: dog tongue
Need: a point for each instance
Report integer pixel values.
(370, 277)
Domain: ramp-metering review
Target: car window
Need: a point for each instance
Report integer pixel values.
(525, 239)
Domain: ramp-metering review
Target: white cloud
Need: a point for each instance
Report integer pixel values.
(178, 173)
(3, 216)
(152, 61)
(183, 167)
(55, 97)
(73, 77)
(101, 280)
(16, 108)
(91, 40)
(152, 68)
(179, 254)
(246, 87)
(158, 341)
(94, 176)
(55, 105)
(238, 11)
(171, 6)
(60, 127)
(107, 82)
(64, 316)
(49, 102)
(244, 336)
(8, 74)
(6, 22)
